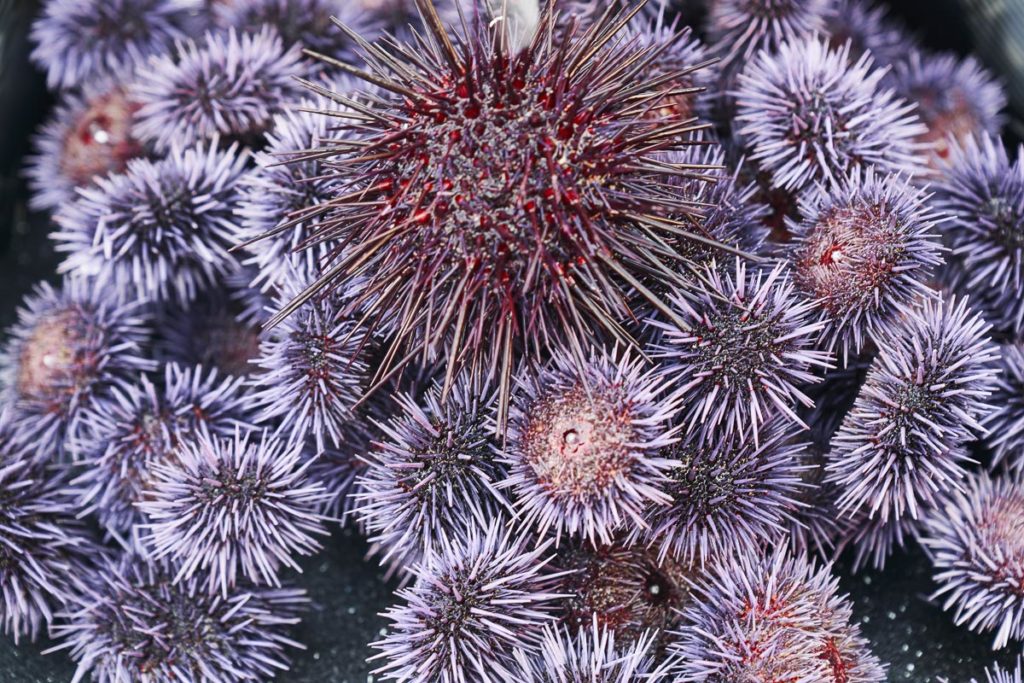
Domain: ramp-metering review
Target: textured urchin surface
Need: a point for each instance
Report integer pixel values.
(88, 136)
(134, 623)
(78, 40)
(584, 445)
(902, 441)
(565, 211)
(739, 29)
(867, 26)
(227, 511)
(68, 347)
(162, 229)
(434, 473)
(864, 252)
(142, 425)
(230, 85)
(983, 192)
(1005, 423)
(727, 496)
(957, 99)
(973, 539)
(476, 599)
(771, 617)
(745, 345)
(810, 114)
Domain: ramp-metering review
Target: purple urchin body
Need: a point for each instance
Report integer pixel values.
(1005, 423)
(162, 229)
(226, 511)
(584, 446)
(739, 29)
(868, 28)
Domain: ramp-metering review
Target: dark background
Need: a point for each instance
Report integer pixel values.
(915, 637)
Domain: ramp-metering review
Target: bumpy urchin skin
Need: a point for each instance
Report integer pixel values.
(230, 85)
(88, 136)
(727, 496)
(135, 623)
(746, 345)
(973, 539)
(771, 617)
(143, 425)
(69, 346)
(232, 511)
(77, 41)
(1005, 423)
(902, 442)
(162, 229)
(434, 473)
(983, 193)
(476, 600)
(739, 29)
(868, 28)
(957, 99)
(864, 253)
(561, 211)
(584, 446)
(810, 115)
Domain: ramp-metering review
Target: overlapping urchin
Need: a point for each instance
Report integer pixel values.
(477, 598)
(957, 99)
(739, 29)
(230, 511)
(163, 229)
(809, 114)
(1005, 422)
(77, 41)
(771, 617)
(868, 28)
(68, 348)
(983, 193)
(743, 345)
(865, 251)
(584, 445)
(726, 495)
(134, 622)
(473, 260)
(230, 86)
(902, 442)
(143, 425)
(974, 542)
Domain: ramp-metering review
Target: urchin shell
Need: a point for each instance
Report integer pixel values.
(1005, 423)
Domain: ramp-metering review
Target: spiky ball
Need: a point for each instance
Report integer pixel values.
(1005, 423)
(229, 85)
(973, 539)
(903, 440)
(137, 623)
(475, 600)
(584, 445)
(68, 348)
(162, 229)
(809, 114)
(869, 28)
(230, 511)
(740, 29)
(865, 251)
(77, 41)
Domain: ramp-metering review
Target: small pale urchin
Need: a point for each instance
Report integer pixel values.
(975, 544)
(163, 229)
(864, 253)
(744, 347)
(230, 511)
(476, 600)
(584, 446)
(902, 442)
(1005, 423)
(810, 115)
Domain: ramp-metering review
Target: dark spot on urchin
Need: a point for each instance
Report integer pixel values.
(453, 449)
(57, 354)
(100, 140)
(734, 344)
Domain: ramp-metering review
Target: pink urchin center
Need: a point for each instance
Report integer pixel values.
(56, 356)
(101, 140)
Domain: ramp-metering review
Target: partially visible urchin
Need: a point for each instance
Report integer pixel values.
(1005, 422)
(584, 445)
(231, 511)
(997, 674)
(738, 349)
(864, 252)
(163, 229)
(739, 29)
(869, 28)
(230, 85)
(475, 601)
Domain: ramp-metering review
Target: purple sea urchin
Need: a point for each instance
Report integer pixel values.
(997, 674)
(744, 344)
(739, 29)
(1005, 423)
(162, 229)
(476, 599)
(864, 253)
(228, 509)
(584, 445)
(231, 85)
(868, 28)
